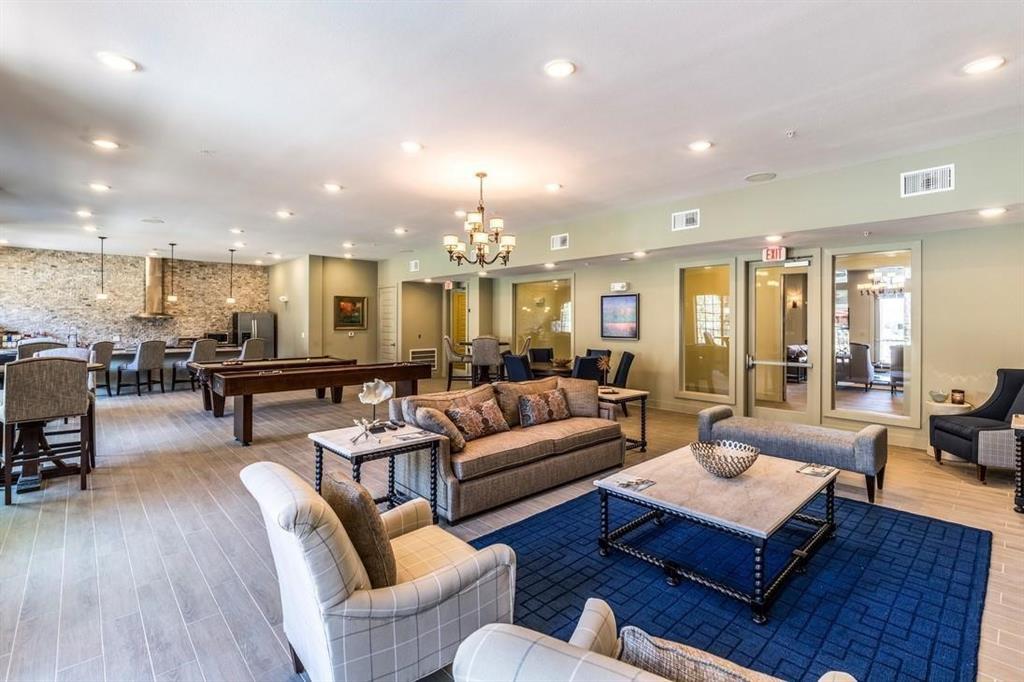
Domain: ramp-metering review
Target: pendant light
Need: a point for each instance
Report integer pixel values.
(102, 295)
(230, 300)
(172, 297)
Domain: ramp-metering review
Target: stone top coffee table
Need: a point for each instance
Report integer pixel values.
(753, 506)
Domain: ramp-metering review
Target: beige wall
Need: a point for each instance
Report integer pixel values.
(422, 313)
(291, 279)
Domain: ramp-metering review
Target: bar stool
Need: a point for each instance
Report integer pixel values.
(452, 358)
(253, 349)
(39, 390)
(203, 350)
(103, 354)
(149, 357)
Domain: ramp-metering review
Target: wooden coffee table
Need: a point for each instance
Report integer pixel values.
(753, 506)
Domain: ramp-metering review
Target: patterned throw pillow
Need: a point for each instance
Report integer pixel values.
(477, 421)
(358, 514)
(435, 421)
(540, 408)
(680, 663)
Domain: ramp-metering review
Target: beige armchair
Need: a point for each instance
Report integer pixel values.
(338, 627)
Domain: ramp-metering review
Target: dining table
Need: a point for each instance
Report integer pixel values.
(550, 369)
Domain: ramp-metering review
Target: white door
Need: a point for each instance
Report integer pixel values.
(387, 320)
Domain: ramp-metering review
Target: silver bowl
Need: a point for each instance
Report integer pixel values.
(724, 458)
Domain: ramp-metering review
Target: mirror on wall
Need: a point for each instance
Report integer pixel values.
(543, 312)
(706, 331)
(871, 326)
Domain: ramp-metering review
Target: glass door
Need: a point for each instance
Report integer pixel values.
(782, 340)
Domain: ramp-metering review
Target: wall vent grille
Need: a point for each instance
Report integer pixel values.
(414, 265)
(927, 181)
(424, 355)
(559, 241)
(686, 220)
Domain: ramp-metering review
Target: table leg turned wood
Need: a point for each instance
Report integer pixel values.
(243, 418)
(318, 468)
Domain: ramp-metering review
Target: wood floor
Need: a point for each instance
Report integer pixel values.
(161, 570)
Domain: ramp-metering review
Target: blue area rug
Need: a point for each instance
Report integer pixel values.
(894, 596)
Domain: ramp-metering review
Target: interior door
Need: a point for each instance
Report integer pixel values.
(459, 323)
(387, 320)
(783, 334)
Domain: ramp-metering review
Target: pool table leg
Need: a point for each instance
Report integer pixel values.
(243, 418)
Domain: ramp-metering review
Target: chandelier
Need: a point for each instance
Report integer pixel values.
(480, 238)
(883, 284)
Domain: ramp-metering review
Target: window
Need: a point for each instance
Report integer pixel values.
(705, 332)
(710, 320)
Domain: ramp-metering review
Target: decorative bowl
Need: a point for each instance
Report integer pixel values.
(938, 396)
(724, 458)
(561, 362)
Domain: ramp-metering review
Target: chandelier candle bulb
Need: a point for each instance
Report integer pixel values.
(508, 241)
(497, 224)
(450, 240)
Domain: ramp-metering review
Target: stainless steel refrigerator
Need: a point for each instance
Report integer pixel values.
(255, 326)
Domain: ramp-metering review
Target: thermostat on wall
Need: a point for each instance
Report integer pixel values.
(620, 286)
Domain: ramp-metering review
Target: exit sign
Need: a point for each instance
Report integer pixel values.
(773, 254)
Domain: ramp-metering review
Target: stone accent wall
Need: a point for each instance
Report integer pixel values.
(46, 292)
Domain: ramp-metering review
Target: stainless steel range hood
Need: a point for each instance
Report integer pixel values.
(154, 291)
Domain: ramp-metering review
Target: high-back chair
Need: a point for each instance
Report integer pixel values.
(895, 368)
(861, 369)
(453, 357)
(586, 368)
(27, 348)
(598, 352)
(253, 349)
(542, 354)
(486, 354)
(518, 368)
(103, 354)
(527, 343)
(622, 375)
(338, 626)
(203, 350)
(149, 358)
(36, 391)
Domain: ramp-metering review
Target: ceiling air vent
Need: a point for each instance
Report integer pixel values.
(559, 241)
(927, 181)
(414, 265)
(686, 220)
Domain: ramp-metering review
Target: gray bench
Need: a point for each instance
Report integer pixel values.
(863, 452)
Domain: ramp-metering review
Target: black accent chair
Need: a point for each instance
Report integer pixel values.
(959, 434)
(622, 375)
(586, 368)
(542, 354)
(598, 352)
(518, 368)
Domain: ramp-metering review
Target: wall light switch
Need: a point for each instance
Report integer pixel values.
(351, 334)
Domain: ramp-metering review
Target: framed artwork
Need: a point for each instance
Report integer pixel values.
(350, 312)
(620, 316)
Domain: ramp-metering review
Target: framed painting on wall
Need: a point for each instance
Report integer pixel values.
(350, 312)
(620, 316)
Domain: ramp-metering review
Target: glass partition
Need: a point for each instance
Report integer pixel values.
(871, 319)
(543, 312)
(706, 332)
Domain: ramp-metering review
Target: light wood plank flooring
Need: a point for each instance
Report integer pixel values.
(161, 570)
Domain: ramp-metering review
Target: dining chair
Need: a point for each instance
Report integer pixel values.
(598, 352)
(527, 342)
(486, 354)
(149, 358)
(542, 354)
(253, 349)
(203, 350)
(895, 368)
(586, 368)
(103, 354)
(39, 390)
(452, 357)
(518, 368)
(622, 375)
(27, 348)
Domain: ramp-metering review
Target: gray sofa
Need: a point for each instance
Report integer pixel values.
(863, 452)
(503, 467)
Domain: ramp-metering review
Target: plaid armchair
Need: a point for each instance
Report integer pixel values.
(339, 628)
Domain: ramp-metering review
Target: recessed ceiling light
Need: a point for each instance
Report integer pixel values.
(152, 254)
(348, 255)
(459, 213)
(639, 254)
(239, 245)
(332, 187)
(625, 258)
(89, 228)
(481, 273)
(549, 266)
(284, 214)
(83, 213)
(983, 65)
(760, 177)
(347, 245)
(427, 280)
(257, 262)
(276, 256)
(773, 238)
(700, 146)
(411, 146)
(559, 68)
(3, 242)
(992, 212)
(553, 187)
(99, 187)
(105, 144)
(401, 230)
(116, 62)
(236, 230)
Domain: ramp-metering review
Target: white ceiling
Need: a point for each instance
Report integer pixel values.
(290, 95)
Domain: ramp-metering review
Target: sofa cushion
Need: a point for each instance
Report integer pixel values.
(500, 451)
(427, 550)
(361, 520)
(964, 427)
(680, 663)
(436, 421)
(508, 393)
(477, 421)
(444, 400)
(575, 433)
(581, 396)
(541, 408)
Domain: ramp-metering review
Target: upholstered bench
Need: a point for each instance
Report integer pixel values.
(863, 452)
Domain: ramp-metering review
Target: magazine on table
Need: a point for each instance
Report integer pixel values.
(634, 483)
(819, 470)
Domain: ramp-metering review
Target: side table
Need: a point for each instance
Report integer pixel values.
(384, 445)
(1017, 424)
(611, 395)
